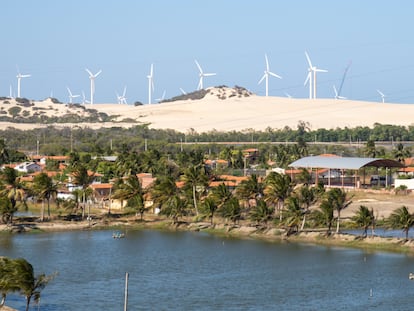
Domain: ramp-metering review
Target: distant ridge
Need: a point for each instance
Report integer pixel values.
(214, 109)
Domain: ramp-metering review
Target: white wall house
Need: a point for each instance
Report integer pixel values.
(28, 167)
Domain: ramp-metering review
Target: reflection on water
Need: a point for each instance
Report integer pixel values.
(197, 271)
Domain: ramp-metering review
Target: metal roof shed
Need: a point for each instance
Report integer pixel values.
(347, 163)
(342, 163)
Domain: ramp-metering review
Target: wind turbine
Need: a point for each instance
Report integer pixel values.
(266, 75)
(288, 95)
(336, 93)
(71, 96)
(84, 100)
(150, 83)
(182, 91)
(122, 98)
(382, 96)
(312, 70)
(202, 75)
(11, 92)
(92, 78)
(19, 78)
(162, 97)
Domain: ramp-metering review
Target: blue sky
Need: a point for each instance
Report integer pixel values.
(55, 41)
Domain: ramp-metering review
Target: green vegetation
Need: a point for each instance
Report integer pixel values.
(17, 276)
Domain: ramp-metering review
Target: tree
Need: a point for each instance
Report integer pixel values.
(364, 218)
(250, 189)
(6, 209)
(163, 190)
(324, 214)
(231, 210)
(278, 187)
(175, 208)
(13, 189)
(401, 153)
(45, 188)
(370, 150)
(294, 214)
(131, 191)
(221, 194)
(82, 178)
(30, 286)
(195, 178)
(401, 219)
(209, 207)
(307, 196)
(7, 282)
(17, 275)
(261, 213)
(339, 201)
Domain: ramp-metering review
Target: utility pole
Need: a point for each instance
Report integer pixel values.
(126, 292)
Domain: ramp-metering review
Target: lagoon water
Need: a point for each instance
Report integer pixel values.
(199, 271)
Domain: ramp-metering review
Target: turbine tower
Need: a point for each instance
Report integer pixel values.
(266, 75)
(92, 78)
(19, 78)
(202, 75)
(150, 83)
(312, 70)
(71, 96)
(382, 96)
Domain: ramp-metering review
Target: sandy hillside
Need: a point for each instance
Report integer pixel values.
(224, 110)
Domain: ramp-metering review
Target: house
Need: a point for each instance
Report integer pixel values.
(28, 167)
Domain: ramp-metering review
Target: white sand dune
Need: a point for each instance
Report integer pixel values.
(243, 113)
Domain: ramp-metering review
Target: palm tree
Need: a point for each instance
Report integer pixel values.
(82, 178)
(209, 207)
(221, 194)
(131, 191)
(250, 189)
(7, 282)
(175, 207)
(13, 189)
(6, 209)
(339, 201)
(401, 153)
(163, 190)
(261, 213)
(294, 214)
(45, 188)
(364, 218)
(30, 286)
(231, 210)
(401, 219)
(278, 187)
(196, 178)
(325, 214)
(307, 196)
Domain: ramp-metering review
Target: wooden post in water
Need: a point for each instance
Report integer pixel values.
(126, 292)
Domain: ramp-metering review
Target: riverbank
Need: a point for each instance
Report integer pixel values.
(243, 231)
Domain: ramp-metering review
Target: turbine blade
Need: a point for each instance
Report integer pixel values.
(267, 62)
(261, 80)
(307, 78)
(98, 73)
(274, 75)
(199, 67)
(209, 74)
(88, 71)
(320, 70)
(309, 61)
